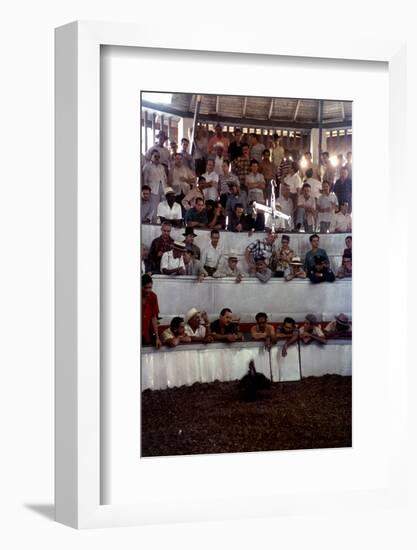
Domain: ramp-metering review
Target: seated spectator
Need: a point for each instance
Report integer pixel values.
(197, 326)
(311, 331)
(175, 334)
(193, 267)
(211, 191)
(262, 271)
(223, 329)
(321, 272)
(348, 242)
(237, 220)
(345, 270)
(260, 249)
(216, 218)
(326, 206)
(189, 241)
(315, 251)
(172, 262)
(256, 220)
(226, 179)
(343, 220)
(289, 332)
(197, 216)
(306, 210)
(150, 312)
(147, 207)
(283, 258)
(196, 192)
(262, 331)
(180, 178)
(212, 253)
(230, 269)
(235, 196)
(295, 270)
(145, 261)
(339, 327)
(343, 188)
(159, 246)
(169, 210)
(255, 183)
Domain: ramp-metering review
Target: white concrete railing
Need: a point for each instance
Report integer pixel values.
(333, 243)
(187, 364)
(277, 298)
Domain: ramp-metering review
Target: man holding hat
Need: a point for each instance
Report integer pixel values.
(229, 269)
(339, 327)
(169, 210)
(295, 269)
(197, 326)
(189, 242)
(172, 262)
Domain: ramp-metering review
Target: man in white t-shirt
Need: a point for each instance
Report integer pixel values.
(293, 180)
(172, 262)
(211, 191)
(343, 220)
(169, 209)
(326, 206)
(315, 184)
(197, 326)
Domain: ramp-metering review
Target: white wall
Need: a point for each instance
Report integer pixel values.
(26, 275)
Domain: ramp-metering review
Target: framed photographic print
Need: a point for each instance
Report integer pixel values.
(162, 410)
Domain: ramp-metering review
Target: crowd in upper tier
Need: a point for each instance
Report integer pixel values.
(217, 185)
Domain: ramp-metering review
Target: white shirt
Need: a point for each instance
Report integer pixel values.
(165, 211)
(315, 187)
(200, 332)
(326, 201)
(211, 193)
(316, 331)
(294, 182)
(154, 175)
(164, 154)
(176, 183)
(255, 193)
(211, 256)
(218, 165)
(169, 262)
(343, 222)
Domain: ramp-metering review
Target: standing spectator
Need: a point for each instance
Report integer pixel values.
(163, 152)
(306, 210)
(321, 272)
(241, 166)
(175, 334)
(230, 269)
(211, 191)
(180, 178)
(150, 312)
(234, 197)
(169, 210)
(196, 192)
(223, 329)
(197, 326)
(307, 165)
(309, 262)
(343, 188)
(315, 184)
(278, 153)
(339, 165)
(255, 183)
(212, 253)
(327, 171)
(235, 148)
(189, 241)
(226, 178)
(260, 250)
(342, 219)
(193, 267)
(285, 205)
(154, 176)
(186, 157)
(283, 258)
(257, 148)
(266, 167)
(348, 164)
(237, 220)
(197, 216)
(293, 180)
(262, 331)
(218, 139)
(173, 151)
(200, 150)
(326, 206)
(285, 166)
(172, 262)
(159, 246)
(218, 160)
(147, 207)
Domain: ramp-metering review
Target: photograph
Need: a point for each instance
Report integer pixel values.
(246, 273)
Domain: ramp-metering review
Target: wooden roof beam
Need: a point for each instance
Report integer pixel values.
(297, 109)
(271, 108)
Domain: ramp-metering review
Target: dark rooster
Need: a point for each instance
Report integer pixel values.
(252, 382)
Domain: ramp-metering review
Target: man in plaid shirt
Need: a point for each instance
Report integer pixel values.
(261, 249)
(241, 166)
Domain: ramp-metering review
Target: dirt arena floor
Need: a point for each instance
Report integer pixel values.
(212, 418)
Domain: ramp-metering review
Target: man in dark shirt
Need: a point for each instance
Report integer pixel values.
(159, 246)
(343, 188)
(321, 272)
(235, 148)
(309, 262)
(197, 216)
(223, 329)
(237, 221)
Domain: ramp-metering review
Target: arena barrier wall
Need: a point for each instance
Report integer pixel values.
(185, 365)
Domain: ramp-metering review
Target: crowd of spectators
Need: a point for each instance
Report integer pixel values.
(216, 185)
